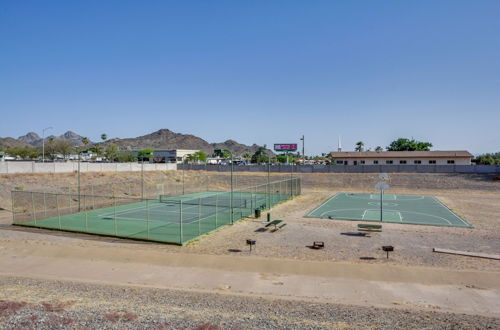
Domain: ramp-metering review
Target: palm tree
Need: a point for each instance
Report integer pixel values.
(359, 146)
(246, 156)
(85, 141)
(104, 137)
(51, 147)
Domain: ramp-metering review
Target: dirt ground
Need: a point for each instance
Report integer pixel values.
(350, 270)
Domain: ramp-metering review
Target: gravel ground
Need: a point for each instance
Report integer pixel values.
(47, 304)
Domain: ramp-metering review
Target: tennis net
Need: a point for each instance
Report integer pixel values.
(216, 200)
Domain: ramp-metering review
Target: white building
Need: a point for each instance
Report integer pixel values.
(460, 157)
(172, 156)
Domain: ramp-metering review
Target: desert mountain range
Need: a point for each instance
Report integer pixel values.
(161, 139)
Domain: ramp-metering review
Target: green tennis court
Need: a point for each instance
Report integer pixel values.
(410, 209)
(178, 219)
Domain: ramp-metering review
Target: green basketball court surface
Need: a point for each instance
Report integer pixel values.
(409, 209)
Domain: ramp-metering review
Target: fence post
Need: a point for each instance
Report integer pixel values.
(86, 212)
(199, 216)
(180, 223)
(70, 208)
(147, 218)
(58, 211)
(114, 214)
(44, 204)
(13, 209)
(33, 204)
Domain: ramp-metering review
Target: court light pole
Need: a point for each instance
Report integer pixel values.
(303, 149)
(43, 142)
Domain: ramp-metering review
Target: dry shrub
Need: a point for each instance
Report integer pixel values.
(207, 326)
(10, 307)
(129, 317)
(164, 325)
(123, 315)
(57, 306)
(112, 317)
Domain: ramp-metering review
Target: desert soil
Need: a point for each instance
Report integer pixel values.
(216, 282)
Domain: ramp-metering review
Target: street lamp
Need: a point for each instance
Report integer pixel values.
(303, 150)
(43, 143)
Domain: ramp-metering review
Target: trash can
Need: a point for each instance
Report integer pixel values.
(257, 213)
(268, 216)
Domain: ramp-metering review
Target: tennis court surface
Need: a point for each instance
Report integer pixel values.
(409, 209)
(169, 219)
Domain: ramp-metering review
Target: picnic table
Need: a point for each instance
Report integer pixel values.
(275, 223)
(369, 227)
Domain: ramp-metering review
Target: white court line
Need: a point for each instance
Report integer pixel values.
(395, 211)
(322, 204)
(337, 210)
(363, 216)
(446, 207)
(151, 207)
(400, 217)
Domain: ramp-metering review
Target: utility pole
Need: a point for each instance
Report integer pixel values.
(43, 143)
(303, 150)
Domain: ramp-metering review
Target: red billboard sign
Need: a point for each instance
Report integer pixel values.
(285, 147)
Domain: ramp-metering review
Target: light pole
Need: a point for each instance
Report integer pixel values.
(43, 143)
(303, 150)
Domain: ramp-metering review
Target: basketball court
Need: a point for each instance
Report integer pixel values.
(409, 209)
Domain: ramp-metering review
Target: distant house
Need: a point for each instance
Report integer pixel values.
(459, 157)
(172, 156)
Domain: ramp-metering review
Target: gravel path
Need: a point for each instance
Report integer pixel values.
(46, 304)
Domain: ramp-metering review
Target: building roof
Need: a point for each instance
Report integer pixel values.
(403, 154)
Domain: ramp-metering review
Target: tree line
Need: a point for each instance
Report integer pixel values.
(401, 144)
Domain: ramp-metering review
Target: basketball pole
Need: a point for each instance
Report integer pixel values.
(381, 203)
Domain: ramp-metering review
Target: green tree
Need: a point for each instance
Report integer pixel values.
(63, 147)
(260, 156)
(112, 152)
(403, 144)
(246, 156)
(125, 157)
(201, 156)
(50, 147)
(488, 159)
(104, 137)
(379, 149)
(198, 156)
(222, 153)
(34, 153)
(145, 154)
(359, 146)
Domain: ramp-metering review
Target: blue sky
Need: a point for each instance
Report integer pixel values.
(255, 71)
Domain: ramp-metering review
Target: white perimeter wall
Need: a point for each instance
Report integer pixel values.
(33, 167)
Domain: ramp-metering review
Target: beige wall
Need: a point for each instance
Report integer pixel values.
(410, 161)
(56, 167)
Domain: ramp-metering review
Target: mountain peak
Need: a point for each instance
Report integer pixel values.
(69, 135)
(29, 138)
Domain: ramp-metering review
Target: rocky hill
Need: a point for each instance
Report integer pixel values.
(161, 139)
(166, 139)
(35, 140)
